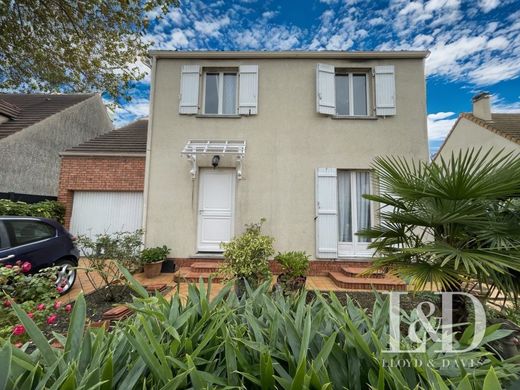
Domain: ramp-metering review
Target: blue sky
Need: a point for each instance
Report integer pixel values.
(475, 45)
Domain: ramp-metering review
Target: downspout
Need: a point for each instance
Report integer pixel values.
(148, 152)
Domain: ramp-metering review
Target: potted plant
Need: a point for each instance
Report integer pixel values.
(294, 270)
(152, 259)
(246, 257)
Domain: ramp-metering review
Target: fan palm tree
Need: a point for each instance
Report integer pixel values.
(450, 224)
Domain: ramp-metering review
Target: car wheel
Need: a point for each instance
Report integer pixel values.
(66, 275)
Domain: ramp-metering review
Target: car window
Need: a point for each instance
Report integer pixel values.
(24, 232)
(4, 242)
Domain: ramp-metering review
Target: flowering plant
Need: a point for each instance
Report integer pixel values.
(36, 294)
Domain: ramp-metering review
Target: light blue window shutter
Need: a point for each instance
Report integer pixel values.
(385, 90)
(189, 94)
(326, 213)
(325, 89)
(248, 90)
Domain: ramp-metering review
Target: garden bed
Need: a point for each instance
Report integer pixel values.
(96, 306)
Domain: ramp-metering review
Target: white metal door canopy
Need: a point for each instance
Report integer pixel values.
(235, 148)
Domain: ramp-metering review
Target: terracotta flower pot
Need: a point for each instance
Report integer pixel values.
(153, 270)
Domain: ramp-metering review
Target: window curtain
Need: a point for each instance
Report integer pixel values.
(230, 94)
(362, 204)
(345, 206)
(211, 98)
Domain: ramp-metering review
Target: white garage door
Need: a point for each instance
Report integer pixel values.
(106, 212)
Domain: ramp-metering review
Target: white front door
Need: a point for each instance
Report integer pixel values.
(216, 208)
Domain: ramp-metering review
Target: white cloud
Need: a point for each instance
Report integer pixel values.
(488, 5)
(494, 71)
(439, 125)
(498, 43)
(211, 28)
(269, 14)
(376, 21)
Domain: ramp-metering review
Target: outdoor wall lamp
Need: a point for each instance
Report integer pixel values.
(215, 160)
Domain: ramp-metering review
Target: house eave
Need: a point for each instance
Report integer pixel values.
(102, 154)
(288, 54)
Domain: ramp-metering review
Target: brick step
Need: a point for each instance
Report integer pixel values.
(185, 274)
(387, 283)
(205, 267)
(356, 272)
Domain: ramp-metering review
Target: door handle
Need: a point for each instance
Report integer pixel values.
(6, 258)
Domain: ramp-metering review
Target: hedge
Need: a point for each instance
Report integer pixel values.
(46, 209)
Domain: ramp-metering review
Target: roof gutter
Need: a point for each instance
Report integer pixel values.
(102, 154)
(289, 54)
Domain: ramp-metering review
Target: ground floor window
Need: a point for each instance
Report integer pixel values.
(354, 211)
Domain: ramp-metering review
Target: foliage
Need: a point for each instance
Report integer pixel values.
(103, 251)
(94, 45)
(35, 293)
(261, 341)
(453, 223)
(46, 209)
(294, 264)
(247, 256)
(153, 255)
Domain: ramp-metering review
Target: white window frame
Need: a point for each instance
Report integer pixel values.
(356, 248)
(220, 73)
(350, 73)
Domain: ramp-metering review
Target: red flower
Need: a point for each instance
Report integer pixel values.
(7, 303)
(41, 307)
(68, 308)
(60, 289)
(30, 315)
(57, 305)
(18, 330)
(52, 319)
(8, 266)
(26, 267)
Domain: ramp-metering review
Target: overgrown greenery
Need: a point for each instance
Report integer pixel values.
(294, 264)
(46, 209)
(155, 254)
(453, 224)
(35, 293)
(71, 46)
(261, 341)
(102, 253)
(247, 256)
(294, 270)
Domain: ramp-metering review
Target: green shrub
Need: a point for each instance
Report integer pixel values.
(294, 264)
(247, 256)
(262, 341)
(103, 251)
(46, 209)
(153, 255)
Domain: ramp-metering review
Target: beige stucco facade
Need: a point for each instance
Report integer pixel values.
(467, 134)
(286, 141)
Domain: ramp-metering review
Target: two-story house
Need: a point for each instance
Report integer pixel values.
(289, 136)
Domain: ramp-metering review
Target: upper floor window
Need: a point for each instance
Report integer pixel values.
(220, 93)
(351, 92)
(352, 97)
(217, 91)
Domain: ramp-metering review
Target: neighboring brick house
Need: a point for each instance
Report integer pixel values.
(34, 129)
(101, 181)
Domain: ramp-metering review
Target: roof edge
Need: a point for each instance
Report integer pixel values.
(102, 154)
(295, 54)
(482, 123)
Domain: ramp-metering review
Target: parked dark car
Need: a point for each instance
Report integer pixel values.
(43, 243)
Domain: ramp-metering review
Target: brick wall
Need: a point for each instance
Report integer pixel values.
(79, 173)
